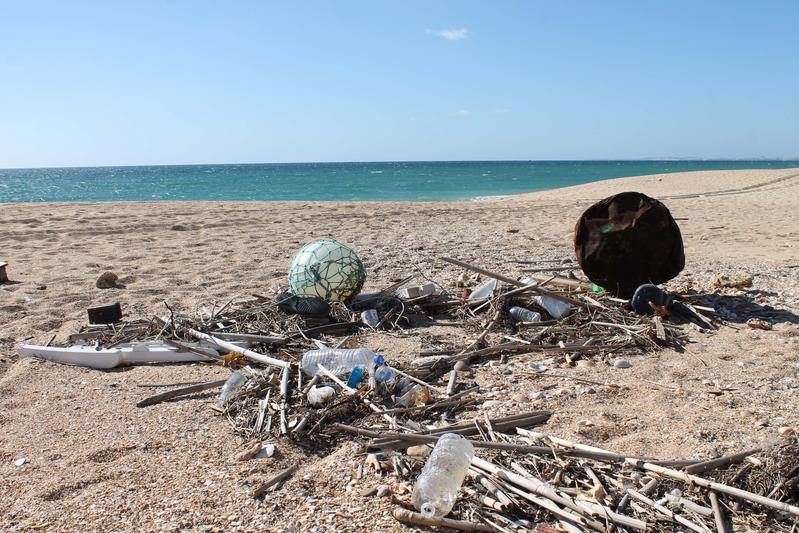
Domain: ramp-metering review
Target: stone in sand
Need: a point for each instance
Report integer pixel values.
(107, 280)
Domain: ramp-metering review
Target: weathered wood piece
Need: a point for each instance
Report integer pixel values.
(177, 393)
(410, 517)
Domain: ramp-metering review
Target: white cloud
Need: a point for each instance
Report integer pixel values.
(451, 35)
(460, 113)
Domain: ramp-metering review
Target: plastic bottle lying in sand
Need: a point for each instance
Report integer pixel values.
(233, 384)
(524, 315)
(555, 308)
(437, 487)
(484, 291)
(339, 361)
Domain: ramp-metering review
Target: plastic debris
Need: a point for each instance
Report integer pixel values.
(437, 487)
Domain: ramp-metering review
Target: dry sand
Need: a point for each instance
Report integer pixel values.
(97, 463)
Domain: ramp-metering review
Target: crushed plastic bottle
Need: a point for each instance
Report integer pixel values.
(523, 315)
(384, 373)
(339, 361)
(370, 317)
(484, 291)
(437, 487)
(235, 382)
(555, 308)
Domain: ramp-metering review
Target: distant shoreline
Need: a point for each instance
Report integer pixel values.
(336, 182)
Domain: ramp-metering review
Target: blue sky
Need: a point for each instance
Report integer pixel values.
(178, 82)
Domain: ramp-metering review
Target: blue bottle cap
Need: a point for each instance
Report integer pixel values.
(379, 360)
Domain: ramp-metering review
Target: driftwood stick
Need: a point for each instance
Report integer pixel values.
(274, 480)
(177, 393)
(718, 513)
(417, 380)
(718, 487)
(388, 441)
(284, 384)
(515, 283)
(566, 447)
(536, 487)
(410, 517)
(598, 510)
(667, 512)
(719, 462)
(208, 352)
(249, 337)
(492, 488)
(561, 281)
(567, 518)
(453, 379)
(485, 332)
(249, 354)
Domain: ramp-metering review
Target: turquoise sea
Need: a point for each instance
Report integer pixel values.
(423, 181)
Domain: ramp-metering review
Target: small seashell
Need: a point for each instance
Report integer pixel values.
(785, 431)
(622, 363)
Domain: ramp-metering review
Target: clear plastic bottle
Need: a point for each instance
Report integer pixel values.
(555, 308)
(437, 487)
(524, 315)
(484, 291)
(233, 384)
(339, 361)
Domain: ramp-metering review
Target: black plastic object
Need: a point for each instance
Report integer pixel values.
(105, 314)
(626, 241)
(302, 305)
(643, 295)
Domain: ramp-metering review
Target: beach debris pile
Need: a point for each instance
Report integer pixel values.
(302, 375)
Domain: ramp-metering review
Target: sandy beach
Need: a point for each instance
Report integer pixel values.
(98, 463)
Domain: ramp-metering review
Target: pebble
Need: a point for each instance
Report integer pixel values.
(538, 395)
(785, 431)
(383, 490)
(538, 367)
(621, 363)
(462, 366)
(20, 462)
(368, 491)
(585, 423)
(421, 450)
(585, 363)
(107, 280)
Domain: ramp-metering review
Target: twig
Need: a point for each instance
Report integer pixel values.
(667, 512)
(249, 354)
(177, 393)
(409, 517)
(718, 487)
(718, 513)
(719, 462)
(274, 480)
(516, 283)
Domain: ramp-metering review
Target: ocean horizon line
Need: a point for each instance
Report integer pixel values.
(428, 161)
(336, 181)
